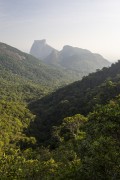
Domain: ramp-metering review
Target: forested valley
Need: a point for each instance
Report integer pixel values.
(53, 130)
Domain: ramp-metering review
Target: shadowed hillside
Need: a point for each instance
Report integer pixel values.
(79, 97)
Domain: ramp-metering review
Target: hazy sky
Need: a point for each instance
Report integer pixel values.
(89, 24)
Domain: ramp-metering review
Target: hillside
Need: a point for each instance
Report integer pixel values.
(79, 97)
(23, 79)
(30, 68)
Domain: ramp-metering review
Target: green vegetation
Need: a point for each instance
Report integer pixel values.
(83, 148)
(80, 97)
(70, 134)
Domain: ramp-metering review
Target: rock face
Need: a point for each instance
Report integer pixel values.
(53, 58)
(40, 49)
(71, 58)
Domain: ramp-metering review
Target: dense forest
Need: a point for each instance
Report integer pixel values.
(80, 97)
(72, 133)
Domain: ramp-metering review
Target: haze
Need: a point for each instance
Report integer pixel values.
(89, 24)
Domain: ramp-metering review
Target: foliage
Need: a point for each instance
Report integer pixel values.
(80, 97)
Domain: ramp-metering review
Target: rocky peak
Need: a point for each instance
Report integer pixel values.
(40, 42)
(40, 49)
(67, 48)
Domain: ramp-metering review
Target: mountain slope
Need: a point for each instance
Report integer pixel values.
(29, 67)
(79, 97)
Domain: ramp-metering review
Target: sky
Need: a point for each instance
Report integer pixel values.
(88, 24)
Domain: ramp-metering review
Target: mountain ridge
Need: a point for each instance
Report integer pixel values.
(72, 58)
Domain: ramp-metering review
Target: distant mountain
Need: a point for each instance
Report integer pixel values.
(71, 58)
(77, 59)
(40, 49)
